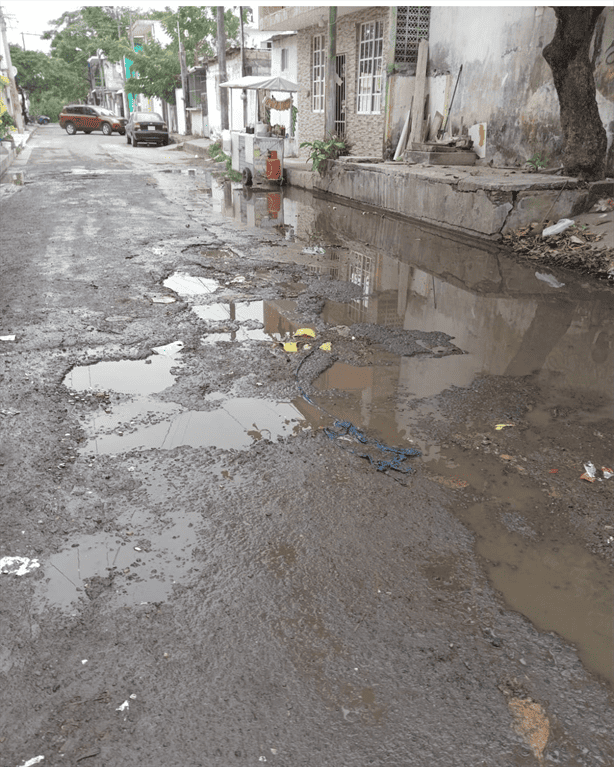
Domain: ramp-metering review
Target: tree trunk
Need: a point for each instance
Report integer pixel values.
(585, 139)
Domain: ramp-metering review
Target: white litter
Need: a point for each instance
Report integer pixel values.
(550, 279)
(561, 225)
(314, 251)
(18, 565)
(170, 350)
(159, 299)
(7, 338)
(33, 761)
(124, 706)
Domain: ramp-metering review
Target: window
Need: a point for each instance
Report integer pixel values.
(317, 73)
(197, 83)
(284, 59)
(412, 26)
(370, 65)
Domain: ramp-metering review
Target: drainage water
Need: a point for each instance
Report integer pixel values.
(509, 323)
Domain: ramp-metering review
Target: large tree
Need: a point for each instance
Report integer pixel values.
(584, 136)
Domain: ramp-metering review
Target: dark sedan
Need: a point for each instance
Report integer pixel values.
(146, 128)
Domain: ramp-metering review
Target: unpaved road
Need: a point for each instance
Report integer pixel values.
(235, 600)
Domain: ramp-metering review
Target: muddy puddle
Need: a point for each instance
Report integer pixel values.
(140, 421)
(509, 321)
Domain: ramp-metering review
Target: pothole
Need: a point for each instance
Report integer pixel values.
(144, 422)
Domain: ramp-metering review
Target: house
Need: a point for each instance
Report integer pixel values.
(284, 62)
(257, 62)
(504, 97)
(106, 83)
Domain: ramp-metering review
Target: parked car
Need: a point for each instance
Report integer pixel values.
(146, 128)
(87, 118)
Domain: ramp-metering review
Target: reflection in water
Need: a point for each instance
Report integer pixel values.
(510, 323)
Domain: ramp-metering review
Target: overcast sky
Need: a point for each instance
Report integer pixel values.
(32, 17)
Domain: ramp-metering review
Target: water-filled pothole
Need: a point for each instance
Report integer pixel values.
(144, 422)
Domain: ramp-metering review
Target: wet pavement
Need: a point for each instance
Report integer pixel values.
(198, 496)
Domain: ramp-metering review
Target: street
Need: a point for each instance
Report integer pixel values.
(219, 550)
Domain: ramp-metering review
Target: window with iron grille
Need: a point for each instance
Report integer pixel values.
(198, 86)
(370, 67)
(412, 26)
(317, 73)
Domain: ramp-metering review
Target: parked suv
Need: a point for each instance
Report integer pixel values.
(76, 117)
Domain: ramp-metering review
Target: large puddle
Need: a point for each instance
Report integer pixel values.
(510, 321)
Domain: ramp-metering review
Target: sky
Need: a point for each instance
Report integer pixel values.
(26, 20)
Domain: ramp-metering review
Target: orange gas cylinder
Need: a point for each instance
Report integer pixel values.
(273, 203)
(273, 166)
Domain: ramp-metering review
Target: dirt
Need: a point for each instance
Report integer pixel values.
(284, 601)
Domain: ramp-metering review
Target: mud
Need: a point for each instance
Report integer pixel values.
(221, 583)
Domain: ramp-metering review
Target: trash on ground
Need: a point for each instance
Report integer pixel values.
(18, 565)
(603, 206)
(9, 411)
(314, 251)
(124, 706)
(326, 346)
(553, 471)
(531, 723)
(561, 225)
(32, 762)
(590, 472)
(160, 299)
(550, 279)
(302, 332)
(170, 350)
(7, 338)
(290, 346)
(381, 456)
(500, 426)
(607, 472)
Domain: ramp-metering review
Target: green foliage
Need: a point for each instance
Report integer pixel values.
(539, 160)
(294, 118)
(217, 154)
(158, 70)
(6, 123)
(329, 149)
(48, 80)
(198, 25)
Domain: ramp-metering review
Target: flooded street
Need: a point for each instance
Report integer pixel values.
(297, 481)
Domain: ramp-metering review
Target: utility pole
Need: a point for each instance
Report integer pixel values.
(221, 60)
(184, 82)
(243, 72)
(14, 96)
(330, 102)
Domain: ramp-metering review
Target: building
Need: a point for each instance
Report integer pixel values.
(504, 97)
(257, 62)
(106, 83)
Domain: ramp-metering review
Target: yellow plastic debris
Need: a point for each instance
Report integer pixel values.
(500, 426)
(326, 347)
(290, 346)
(305, 332)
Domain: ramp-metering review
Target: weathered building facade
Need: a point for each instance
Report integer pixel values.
(504, 95)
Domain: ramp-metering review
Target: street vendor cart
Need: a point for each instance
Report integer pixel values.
(257, 152)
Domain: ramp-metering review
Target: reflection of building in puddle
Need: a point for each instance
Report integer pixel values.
(262, 209)
(509, 322)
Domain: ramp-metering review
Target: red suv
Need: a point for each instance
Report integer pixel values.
(76, 117)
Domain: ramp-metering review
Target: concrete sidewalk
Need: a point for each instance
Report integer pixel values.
(10, 150)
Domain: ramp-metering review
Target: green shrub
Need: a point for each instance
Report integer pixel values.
(329, 149)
